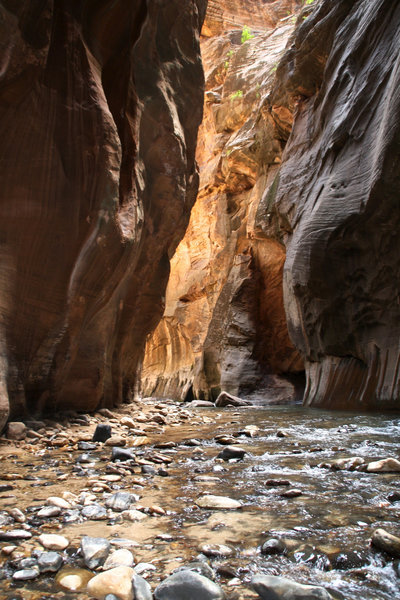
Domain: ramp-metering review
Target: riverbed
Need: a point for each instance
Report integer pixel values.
(286, 482)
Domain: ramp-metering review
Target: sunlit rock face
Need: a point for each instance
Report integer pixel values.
(337, 202)
(224, 325)
(101, 102)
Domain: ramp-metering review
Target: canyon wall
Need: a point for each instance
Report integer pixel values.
(224, 326)
(336, 202)
(100, 106)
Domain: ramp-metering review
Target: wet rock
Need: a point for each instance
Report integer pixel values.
(188, 584)
(49, 511)
(134, 515)
(16, 534)
(50, 562)
(86, 446)
(383, 540)
(216, 550)
(102, 433)
(84, 458)
(277, 482)
(198, 566)
(128, 422)
(349, 559)
(26, 574)
(17, 515)
(95, 512)
(281, 434)
(225, 399)
(217, 502)
(122, 454)
(232, 452)
(52, 541)
(386, 465)
(269, 587)
(148, 470)
(347, 464)
(116, 581)
(292, 493)
(94, 551)
(16, 430)
(394, 497)
(119, 558)
(274, 546)
(56, 501)
(116, 440)
(121, 501)
(200, 404)
(141, 589)
(74, 580)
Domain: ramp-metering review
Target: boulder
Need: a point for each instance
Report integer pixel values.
(279, 588)
(188, 584)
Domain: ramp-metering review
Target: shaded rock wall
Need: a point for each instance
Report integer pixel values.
(224, 325)
(337, 202)
(100, 105)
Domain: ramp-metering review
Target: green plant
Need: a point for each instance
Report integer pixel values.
(229, 54)
(237, 94)
(246, 34)
(309, 2)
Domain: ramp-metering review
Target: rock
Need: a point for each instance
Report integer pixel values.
(26, 574)
(276, 588)
(116, 440)
(347, 464)
(16, 534)
(394, 496)
(274, 546)
(74, 580)
(122, 454)
(386, 465)
(121, 501)
(200, 404)
(387, 542)
(277, 482)
(134, 515)
(225, 399)
(119, 558)
(117, 581)
(16, 430)
(141, 589)
(52, 541)
(94, 551)
(128, 422)
(291, 493)
(87, 446)
(188, 584)
(49, 511)
(217, 502)
(198, 566)
(95, 512)
(230, 452)
(56, 501)
(216, 550)
(50, 562)
(17, 515)
(102, 432)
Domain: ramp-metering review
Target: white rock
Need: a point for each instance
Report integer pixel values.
(56, 501)
(386, 465)
(222, 502)
(119, 558)
(116, 581)
(52, 541)
(128, 422)
(134, 515)
(73, 579)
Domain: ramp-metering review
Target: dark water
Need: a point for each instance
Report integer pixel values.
(327, 529)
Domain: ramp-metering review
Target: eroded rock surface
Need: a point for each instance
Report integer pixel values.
(224, 326)
(100, 108)
(336, 202)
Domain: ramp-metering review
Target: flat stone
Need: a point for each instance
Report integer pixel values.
(216, 550)
(386, 465)
(292, 493)
(16, 534)
(188, 584)
(119, 558)
(26, 574)
(49, 511)
(94, 551)
(116, 581)
(383, 540)
(95, 512)
(56, 501)
(269, 587)
(50, 562)
(232, 452)
(52, 541)
(217, 502)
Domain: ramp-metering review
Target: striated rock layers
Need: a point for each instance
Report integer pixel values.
(336, 202)
(100, 105)
(224, 326)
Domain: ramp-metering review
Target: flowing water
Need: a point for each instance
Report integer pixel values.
(326, 529)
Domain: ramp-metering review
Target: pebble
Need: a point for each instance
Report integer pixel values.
(52, 541)
(56, 501)
(387, 465)
(217, 502)
(16, 534)
(50, 562)
(122, 454)
(383, 540)
(216, 550)
(292, 493)
(95, 512)
(277, 482)
(116, 581)
(94, 551)
(121, 501)
(116, 440)
(141, 589)
(17, 515)
(134, 515)
(269, 587)
(128, 422)
(26, 574)
(230, 452)
(119, 558)
(16, 430)
(74, 580)
(274, 546)
(188, 584)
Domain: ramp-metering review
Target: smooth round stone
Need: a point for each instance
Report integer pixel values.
(56, 501)
(50, 562)
(116, 581)
(217, 502)
(383, 540)
(74, 580)
(231, 452)
(122, 454)
(121, 501)
(16, 430)
(387, 465)
(16, 534)
(141, 589)
(274, 546)
(216, 550)
(26, 574)
(134, 515)
(119, 558)
(18, 515)
(198, 566)
(95, 512)
(49, 511)
(52, 541)
(269, 587)
(116, 440)
(94, 551)
(292, 493)
(188, 584)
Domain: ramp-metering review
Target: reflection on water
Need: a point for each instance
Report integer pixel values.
(326, 529)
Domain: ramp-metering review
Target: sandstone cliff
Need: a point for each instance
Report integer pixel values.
(224, 325)
(100, 106)
(336, 202)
